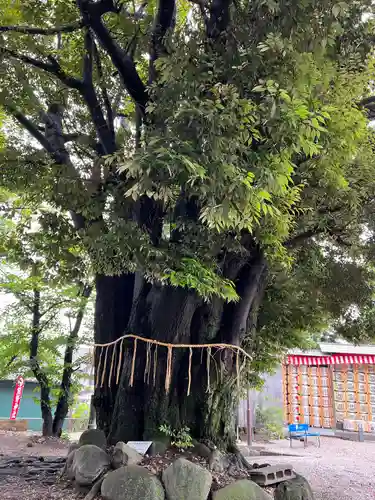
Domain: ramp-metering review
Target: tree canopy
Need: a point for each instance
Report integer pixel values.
(214, 162)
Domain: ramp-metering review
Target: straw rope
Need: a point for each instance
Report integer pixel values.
(189, 371)
(152, 360)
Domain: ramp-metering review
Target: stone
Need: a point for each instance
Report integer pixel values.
(241, 490)
(272, 474)
(294, 489)
(248, 451)
(217, 461)
(72, 447)
(93, 436)
(123, 454)
(184, 480)
(201, 450)
(68, 469)
(89, 463)
(132, 483)
(158, 447)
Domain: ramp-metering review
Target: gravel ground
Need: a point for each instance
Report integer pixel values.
(339, 470)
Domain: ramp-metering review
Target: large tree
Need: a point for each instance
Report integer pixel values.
(208, 154)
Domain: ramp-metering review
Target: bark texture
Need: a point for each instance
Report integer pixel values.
(129, 304)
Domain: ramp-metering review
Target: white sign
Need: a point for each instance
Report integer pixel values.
(140, 446)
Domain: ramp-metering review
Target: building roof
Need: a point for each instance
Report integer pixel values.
(339, 348)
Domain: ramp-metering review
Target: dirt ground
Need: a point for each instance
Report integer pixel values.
(15, 444)
(338, 470)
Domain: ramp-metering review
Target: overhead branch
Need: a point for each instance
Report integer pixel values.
(30, 127)
(52, 67)
(106, 100)
(105, 135)
(31, 30)
(219, 18)
(59, 155)
(335, 233)
(302, 237)
(91, 13)
(54, 305)
(85, 88)
(369, 104)
(164, 21)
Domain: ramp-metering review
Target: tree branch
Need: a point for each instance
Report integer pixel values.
(219, 18)
(30, 127)
(164, 21)
(31, 30)
(52, 67)
(55, 304)
(104, 133)
(107, 102)
(59, 156)
(124, 64)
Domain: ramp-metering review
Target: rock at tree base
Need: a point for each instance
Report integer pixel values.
(132, 483)
(241, 490)
(248, 451)
(294, 489)
(125, 455)
(93, 436)
(159, 447)
(72, 447)
(89, 463)
(69, 465)
(201, 450)
(184, 480)
(217, 462)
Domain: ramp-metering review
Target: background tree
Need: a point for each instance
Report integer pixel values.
(37, 342)
(44, 323)
(202, 179)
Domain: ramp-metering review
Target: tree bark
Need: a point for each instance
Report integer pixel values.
(114, 297)
(45, 401)
(62, 407)
(176, 316)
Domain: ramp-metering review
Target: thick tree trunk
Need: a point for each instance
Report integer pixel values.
(114, 297)
(176, 316)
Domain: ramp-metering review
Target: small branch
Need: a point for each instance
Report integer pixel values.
(300, 238)
(31, 30)
(11, 361)
(30, 127)
(107, 102)
(164, 21)
(52, 67)
(55, 304)
(87, 60)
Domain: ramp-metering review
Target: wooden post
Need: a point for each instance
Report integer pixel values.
(92, 415)
(249, 422)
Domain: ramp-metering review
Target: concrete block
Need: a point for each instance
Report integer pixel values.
(272, 474)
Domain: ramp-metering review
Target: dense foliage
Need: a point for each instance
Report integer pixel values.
(214, 162)
(46, 315)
